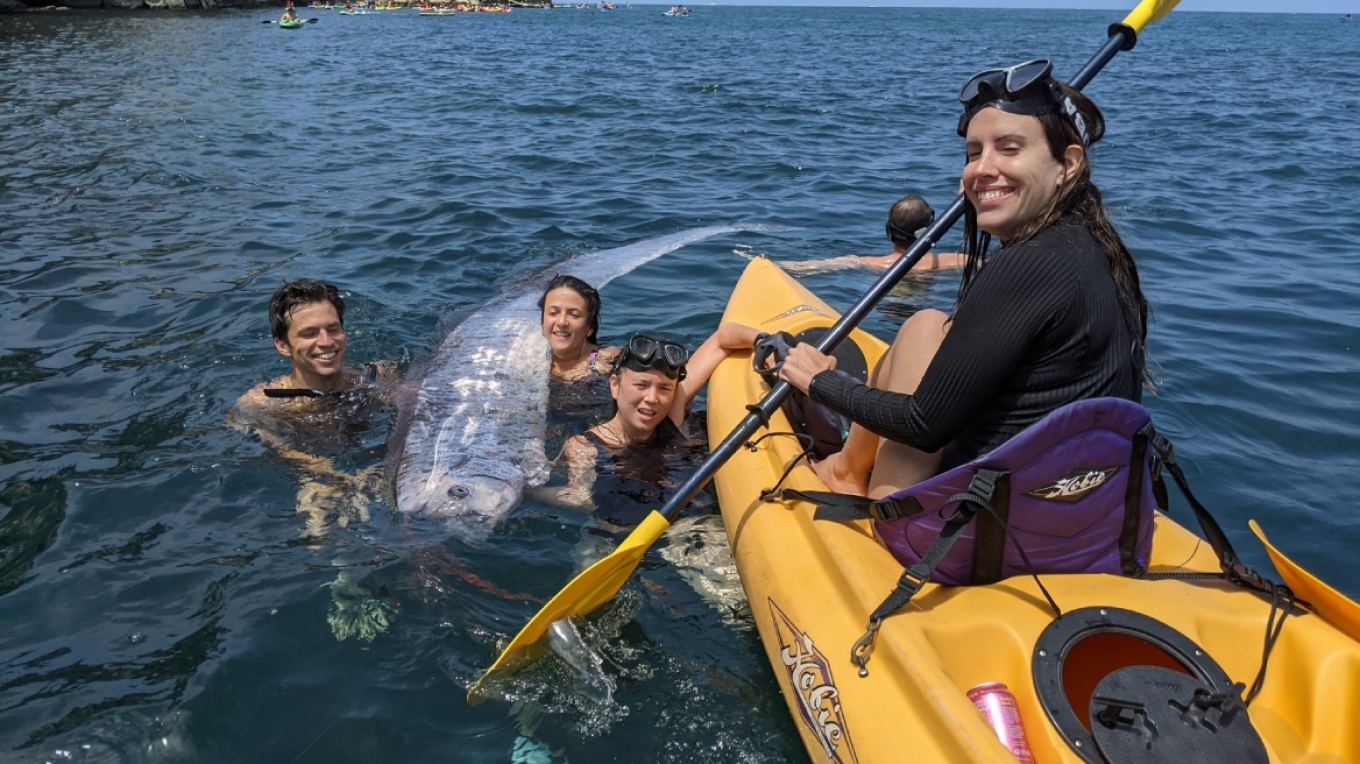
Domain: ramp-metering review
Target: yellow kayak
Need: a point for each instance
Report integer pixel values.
(813, 585)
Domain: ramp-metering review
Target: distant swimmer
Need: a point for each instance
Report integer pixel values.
(307, 414)
(908, 217)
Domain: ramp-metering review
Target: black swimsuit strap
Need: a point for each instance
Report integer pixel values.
(293, 392)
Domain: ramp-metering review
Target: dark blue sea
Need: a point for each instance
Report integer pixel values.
(162, 173)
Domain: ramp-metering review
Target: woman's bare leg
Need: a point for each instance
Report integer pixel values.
(847, 470)
(898, 465)
(870, 465)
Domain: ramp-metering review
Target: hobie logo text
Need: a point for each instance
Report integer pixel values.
(1074, 485)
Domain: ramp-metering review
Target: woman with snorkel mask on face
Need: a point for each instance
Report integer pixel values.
(1054, 315)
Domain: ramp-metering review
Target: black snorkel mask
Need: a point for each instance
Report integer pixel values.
(644, 352)
(906, 237)
(1027, 88)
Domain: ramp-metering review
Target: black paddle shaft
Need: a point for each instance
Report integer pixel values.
(1121, 38)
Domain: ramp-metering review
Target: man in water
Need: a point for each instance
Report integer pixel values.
(907, 218)
(307, 319)
(316, 399)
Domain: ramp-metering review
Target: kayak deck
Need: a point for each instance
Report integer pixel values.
(812, 586)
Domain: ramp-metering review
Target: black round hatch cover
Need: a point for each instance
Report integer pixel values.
(1154, 715)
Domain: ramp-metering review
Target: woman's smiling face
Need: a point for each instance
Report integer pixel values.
(566, 322)
(1011, 176)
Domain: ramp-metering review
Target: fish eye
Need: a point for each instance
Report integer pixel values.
(458, 492)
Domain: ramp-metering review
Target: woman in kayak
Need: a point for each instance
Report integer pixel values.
(1055, 315)
(634, 453)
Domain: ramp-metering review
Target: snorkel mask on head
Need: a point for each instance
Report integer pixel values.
(644, 352)
(906, 237)
(1027, 88)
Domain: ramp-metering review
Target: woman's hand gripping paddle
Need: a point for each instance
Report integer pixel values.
(604, 579)
(1331, 605)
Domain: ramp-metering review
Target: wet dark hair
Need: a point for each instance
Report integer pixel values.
(908, 216)
(294, 294)
(592, 298)
(1079, 199)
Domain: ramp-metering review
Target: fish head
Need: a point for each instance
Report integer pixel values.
(448, 495)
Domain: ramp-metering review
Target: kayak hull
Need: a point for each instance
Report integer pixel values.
(813, 585)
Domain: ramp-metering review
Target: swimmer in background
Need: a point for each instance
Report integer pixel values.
(908, 217)
(307, 320)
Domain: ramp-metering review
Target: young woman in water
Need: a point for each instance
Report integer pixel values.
(570, 313)
(632, 454)
(1054, 316)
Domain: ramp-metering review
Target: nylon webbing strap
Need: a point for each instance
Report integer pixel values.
(845, 507)
(989, 536)
(1133, 503)
(978, 496)
(1233, 567)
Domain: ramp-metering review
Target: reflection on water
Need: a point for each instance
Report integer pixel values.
(34, 511)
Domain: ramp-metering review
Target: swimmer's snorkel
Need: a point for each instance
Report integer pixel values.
(644, 352)
(905, 237)
(1027, 88)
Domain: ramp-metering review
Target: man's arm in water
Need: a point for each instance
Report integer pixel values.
(932, 261)
(873, 263)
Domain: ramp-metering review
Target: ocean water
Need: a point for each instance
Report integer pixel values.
(161, 174)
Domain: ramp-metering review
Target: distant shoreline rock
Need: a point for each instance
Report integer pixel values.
(27, 6)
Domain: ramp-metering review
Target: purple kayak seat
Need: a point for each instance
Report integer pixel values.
(1074, 491)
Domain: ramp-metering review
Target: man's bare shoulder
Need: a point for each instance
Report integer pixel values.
(255, 397)
(254, 406)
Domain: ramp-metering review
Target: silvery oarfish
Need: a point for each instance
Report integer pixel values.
(473, 438)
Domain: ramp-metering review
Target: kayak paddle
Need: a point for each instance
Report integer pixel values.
(1331, 605)
(601, 581)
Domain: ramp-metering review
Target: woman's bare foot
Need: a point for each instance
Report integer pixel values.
(832, 471)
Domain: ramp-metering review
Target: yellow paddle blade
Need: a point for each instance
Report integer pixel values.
(594, 587)
(1331, 605)
(1147, 12)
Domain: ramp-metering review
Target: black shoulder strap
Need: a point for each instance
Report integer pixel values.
(977, 497)
(844, 507)
(1233, 568)
(1133, 503)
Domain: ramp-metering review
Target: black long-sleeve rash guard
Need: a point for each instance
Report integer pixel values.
(1040, 326)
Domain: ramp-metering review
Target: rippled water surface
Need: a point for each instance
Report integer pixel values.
(162, 174)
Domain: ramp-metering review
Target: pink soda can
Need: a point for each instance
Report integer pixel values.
(999, 708)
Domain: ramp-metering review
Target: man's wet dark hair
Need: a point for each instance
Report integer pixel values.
(294, 294)
(908, 216)
(587, 292)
